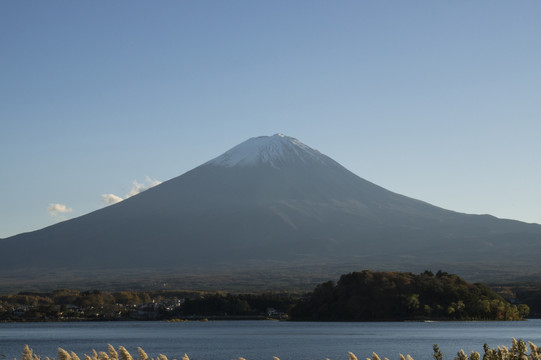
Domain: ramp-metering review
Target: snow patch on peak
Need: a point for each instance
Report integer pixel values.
(274, 150)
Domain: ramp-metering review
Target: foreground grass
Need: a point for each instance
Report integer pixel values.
(518, 351)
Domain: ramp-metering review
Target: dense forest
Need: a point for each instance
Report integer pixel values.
(358, 296)
(370, 296)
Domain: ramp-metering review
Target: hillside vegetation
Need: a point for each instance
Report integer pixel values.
(369, 296)
(69, 305)
(357, 296)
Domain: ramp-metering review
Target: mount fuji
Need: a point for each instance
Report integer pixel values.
(271, 203)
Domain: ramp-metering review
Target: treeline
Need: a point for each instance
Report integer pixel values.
(358, 296)
(266, 304)
(94, 298)
(369, 296)
(154, 305)
(527, 293)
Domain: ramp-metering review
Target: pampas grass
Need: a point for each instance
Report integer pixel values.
(112, 352)
(518, 351)
(142, 355)
(63, 354)
(123, 354)
(28, 354)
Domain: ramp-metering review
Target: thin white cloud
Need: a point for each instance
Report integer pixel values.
(137, 188)
(152, 182)
(58, 209)
(110, 199)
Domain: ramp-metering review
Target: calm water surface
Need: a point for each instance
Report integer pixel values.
(255, 340)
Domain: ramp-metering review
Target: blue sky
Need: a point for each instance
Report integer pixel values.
(435, 100)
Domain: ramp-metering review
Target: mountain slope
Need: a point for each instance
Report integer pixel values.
(272, 200)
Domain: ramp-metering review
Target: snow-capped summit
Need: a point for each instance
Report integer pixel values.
(274, 150)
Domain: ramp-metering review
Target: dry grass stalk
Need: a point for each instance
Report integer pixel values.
(141, 354)
(124, 354)
(27, 353)
(535, 352)
(475, 355)
(63, 354)
(461, 355)
(518, 351)
(112, 352)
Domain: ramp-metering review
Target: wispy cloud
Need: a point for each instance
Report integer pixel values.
(110, 199)
(137, 188)
(58, 210)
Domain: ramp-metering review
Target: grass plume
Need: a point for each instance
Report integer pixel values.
(63, 354)
(517, 351)
(141, 354)
(124, 354)
(113, 355)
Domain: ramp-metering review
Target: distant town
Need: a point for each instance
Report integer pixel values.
(72, 305)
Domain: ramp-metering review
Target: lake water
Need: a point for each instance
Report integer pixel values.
(255, 340)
